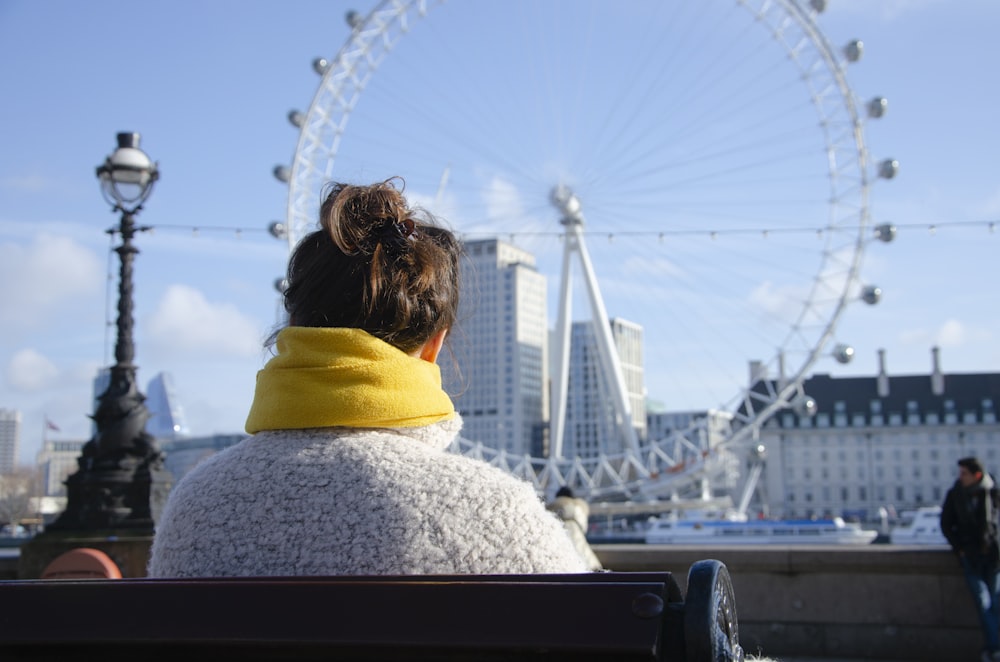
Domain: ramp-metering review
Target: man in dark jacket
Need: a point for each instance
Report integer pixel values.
(969, 522)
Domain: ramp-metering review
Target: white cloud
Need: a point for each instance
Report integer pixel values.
(30, 371)
(185, 321)
(952, 333)
(641, 267)
(41, 277)
(26, 183)
(989, 208)
(886, 10)
(503, 203)
(780, 301)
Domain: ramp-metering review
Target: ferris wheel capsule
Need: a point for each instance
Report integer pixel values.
(320, 65)
(819, 6)
(278, 230)
(888, 168)
(805, 405)
(854, 50)
(297, 118)
(877, 107)
(885, 232)
(282, 174)
(871, 295)
(843, 353)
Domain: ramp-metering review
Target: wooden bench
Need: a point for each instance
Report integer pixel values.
(597, 616)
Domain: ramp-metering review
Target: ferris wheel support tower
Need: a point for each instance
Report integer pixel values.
(572, 217)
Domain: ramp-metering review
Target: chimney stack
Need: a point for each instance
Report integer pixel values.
(882, 383)
(937, 377)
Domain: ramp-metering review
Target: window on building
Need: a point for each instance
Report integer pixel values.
(950, 416)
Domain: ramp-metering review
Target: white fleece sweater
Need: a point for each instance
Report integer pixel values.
(341, 501)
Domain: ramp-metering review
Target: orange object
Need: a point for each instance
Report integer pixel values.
(82, 563)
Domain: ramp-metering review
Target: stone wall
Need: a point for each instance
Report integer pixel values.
(877, 602)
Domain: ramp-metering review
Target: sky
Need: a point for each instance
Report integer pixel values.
(482, 108)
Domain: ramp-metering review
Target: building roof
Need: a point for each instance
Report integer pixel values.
(975, 394)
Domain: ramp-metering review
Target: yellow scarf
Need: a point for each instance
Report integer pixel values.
(324, 377)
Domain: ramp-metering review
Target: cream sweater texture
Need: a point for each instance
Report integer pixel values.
(340, 501)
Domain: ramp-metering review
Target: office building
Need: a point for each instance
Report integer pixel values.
(592, 425)
(498, 370)
(166, 415)
(10, 437)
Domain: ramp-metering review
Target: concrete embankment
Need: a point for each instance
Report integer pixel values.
(870, 602)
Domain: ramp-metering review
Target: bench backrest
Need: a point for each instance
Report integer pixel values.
(621, 616)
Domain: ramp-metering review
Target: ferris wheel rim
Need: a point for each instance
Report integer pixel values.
(373, 38)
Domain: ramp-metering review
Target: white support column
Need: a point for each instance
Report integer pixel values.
(560, 384)
(569, 205)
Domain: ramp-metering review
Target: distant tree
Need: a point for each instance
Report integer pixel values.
(17, 488)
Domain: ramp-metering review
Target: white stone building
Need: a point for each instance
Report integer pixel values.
(56, 461)
(881, 442)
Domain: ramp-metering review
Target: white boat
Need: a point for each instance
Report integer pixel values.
(922, 527)
(726, 531)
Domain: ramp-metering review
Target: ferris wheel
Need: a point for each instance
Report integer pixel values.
(716, 147)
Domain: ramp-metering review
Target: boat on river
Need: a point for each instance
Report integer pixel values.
(922, 527)
(741, 531)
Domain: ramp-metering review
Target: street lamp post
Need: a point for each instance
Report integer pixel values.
(120, 482)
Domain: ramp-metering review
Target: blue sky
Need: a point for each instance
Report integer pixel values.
(509, 100)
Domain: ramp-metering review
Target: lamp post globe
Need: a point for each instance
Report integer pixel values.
(127, 175)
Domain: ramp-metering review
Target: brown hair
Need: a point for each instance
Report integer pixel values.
(375, 264)
(972, 464)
